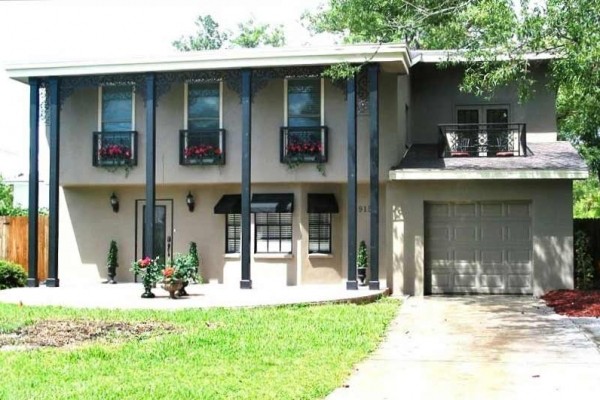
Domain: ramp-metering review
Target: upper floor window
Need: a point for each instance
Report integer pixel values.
(304, 102)
(117, 112)
(203, 106)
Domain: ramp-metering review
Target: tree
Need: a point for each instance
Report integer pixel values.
(250, 34)
(497, 38)
(207, 37)
(6, 201)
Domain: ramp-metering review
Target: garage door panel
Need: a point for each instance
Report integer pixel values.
(492, 210)
(488, 249)
(518, 210)
(464, 233)
(492, 281)
(465, 210)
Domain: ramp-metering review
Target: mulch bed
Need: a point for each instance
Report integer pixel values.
(574, 303)
(60, 333)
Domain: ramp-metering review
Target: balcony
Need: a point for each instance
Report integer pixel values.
(202, 147)
(482, 140)
(114, 149)
(307, 144)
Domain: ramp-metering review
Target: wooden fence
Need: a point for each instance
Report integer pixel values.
(591, 227)
(14, 245)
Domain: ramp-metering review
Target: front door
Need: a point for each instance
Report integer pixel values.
(163, 229)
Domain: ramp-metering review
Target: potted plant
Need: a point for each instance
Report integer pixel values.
(150, 271)
(172, 280)
(190, 268)
(362, 262)
(112, 262)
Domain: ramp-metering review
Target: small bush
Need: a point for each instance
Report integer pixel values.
(11, 275)
(584, 267)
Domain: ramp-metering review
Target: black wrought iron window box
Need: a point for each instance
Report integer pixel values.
(114, 149)
(483, 140)
(307, 144)
(202, 147)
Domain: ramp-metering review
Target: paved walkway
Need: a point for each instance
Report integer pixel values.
(127, 296)
(474, 347)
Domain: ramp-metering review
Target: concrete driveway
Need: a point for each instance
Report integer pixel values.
(478, 347)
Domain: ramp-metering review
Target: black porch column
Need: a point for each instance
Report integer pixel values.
(373, 82)
(351, 116)
(150, 105)
(53, 87)
(34, 112)
(246, 282)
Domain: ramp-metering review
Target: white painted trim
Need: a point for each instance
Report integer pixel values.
(285, 102)
(99, 108)
(273, 256)
(393, 58)
(185, 105)
(132, 109)
(422, 174)
(322, 94)
(231, 256)
(320, 255)
(221, 107)
(437, 56)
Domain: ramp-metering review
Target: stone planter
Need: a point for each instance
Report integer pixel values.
(172, 287)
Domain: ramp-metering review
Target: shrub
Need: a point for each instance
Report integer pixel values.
(584, 267)
(11, 275)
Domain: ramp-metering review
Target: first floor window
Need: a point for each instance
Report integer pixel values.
(233, 233)
(319, 233)
(273, 232)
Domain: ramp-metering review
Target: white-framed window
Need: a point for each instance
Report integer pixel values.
(203, 105)
(116, 108)
(273, 233)
(304, 102)
(319, 233)
(233, 233)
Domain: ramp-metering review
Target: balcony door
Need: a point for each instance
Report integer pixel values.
(163, 229)
(485, 140)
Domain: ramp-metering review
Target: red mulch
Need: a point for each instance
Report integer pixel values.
(574, 303)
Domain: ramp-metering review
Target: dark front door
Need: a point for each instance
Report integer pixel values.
(163, 230)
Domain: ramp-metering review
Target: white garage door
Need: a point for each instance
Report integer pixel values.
(483, 247)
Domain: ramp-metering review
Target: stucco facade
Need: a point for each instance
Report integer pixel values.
(414, 97)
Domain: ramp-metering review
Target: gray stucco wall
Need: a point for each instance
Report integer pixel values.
(552, 226)
(435, 95)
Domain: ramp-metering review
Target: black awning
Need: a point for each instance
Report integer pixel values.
(229, 204)
(272, 203)
(322, 203)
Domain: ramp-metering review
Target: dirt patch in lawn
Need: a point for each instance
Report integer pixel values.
(60, 333)
(574, 303)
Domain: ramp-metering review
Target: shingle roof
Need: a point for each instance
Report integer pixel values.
(543, 156)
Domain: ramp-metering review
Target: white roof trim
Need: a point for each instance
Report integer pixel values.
(423, 174)
(438, 56)
(392, 57)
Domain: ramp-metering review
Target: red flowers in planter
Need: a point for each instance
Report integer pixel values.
(202, 151)
(307, 148)
(114, 152)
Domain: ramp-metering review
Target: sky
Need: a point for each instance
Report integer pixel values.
(34, 31)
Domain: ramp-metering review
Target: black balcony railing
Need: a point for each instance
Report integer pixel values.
(307, 144)
(202, 147)
(483, 140)
(114, 149)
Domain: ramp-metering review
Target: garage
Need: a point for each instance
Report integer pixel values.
(478, 247)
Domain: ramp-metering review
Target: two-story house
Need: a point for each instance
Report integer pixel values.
(277, 173)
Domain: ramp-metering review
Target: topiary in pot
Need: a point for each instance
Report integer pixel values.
(112, 262)
(11, 275)
(189, 264)
(362, 262)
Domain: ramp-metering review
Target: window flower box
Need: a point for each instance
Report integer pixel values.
(303, 145)
(202, 147)
(114, 149)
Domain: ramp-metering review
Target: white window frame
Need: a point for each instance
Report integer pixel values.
(285, 100)
(186, 102)
(100, 107)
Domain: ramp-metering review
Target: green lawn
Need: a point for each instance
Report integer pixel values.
(296, 352)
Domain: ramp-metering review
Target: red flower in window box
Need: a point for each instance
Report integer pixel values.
(114, 152)
(202, 151)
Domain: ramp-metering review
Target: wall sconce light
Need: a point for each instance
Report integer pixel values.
(189, 200)
(114, 202)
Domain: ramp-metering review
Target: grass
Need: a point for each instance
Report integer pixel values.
(296, 352)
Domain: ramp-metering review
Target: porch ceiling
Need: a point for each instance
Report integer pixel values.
(392, 58)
